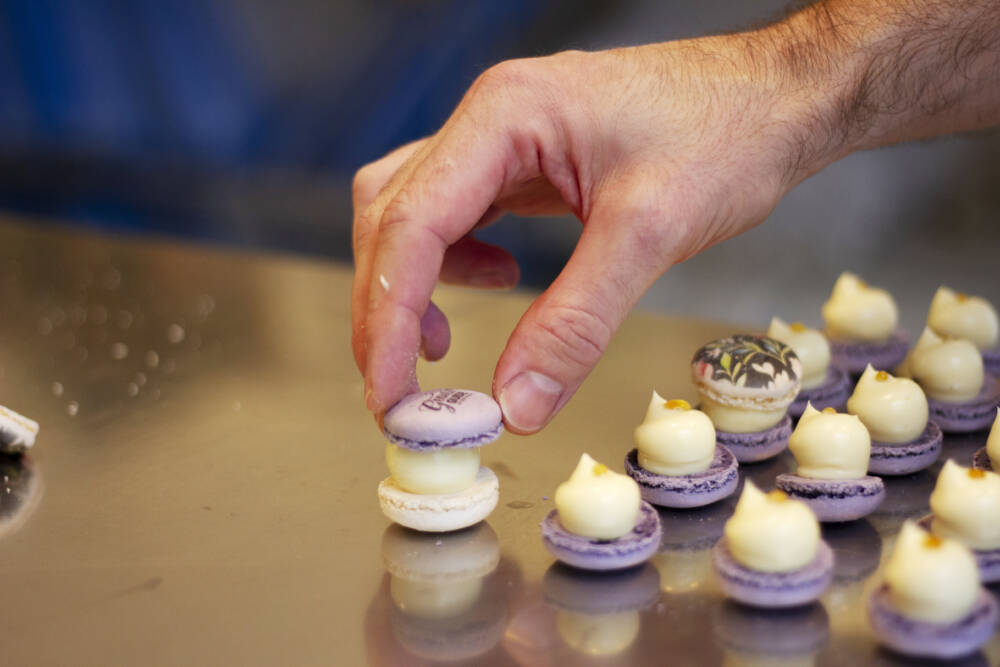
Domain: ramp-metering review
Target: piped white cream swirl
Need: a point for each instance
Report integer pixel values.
(830, 445)
(948, 370)
(893, 409)
(957, 315)
(771, 532)
(673, 439)
(856, 311)
(597, 502)
(931, 579)
(993, 443)
(966, 506)
(810, 345)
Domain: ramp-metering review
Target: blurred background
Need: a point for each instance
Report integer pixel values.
(241, 123)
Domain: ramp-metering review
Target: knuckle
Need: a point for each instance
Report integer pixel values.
(364, 187)
(575, 335)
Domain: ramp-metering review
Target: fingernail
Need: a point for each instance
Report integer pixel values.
(490, 280)
(529, 399)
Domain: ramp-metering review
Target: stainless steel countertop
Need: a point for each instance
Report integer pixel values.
(203, 487)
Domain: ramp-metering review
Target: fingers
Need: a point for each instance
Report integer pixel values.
(448, 191)
(565, 332)
(477, 264)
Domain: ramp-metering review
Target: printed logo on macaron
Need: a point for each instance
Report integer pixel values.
(444, 399)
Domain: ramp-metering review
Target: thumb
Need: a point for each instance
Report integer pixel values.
(564, 333)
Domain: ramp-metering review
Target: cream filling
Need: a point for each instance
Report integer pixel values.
(442, 471)
(771, 532)
(856, 311)
(674, 439)
(893, 409)
(434, 599)
(993, 443)
(948, 370)
(739, 420)
(956, 315)
(596, 502)
(809, 345)
(830, 445)
(966, 506)
(598, 634)
(931, 579)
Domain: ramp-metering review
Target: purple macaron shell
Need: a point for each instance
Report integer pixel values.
(834, 500)
(981, 460)
(854, 356)
(683, 491)
(443, 418)
(589, 554)
(975, 415)
(991, 361)
(759, 445)
(833, 393)
(889, 458)
(988, 561)
(773, 589)
(932, 640)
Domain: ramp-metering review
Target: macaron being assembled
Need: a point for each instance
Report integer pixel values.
(895, 411)
(823, 385)
(17, 432)
(965, 506)
(832, 451)
(989, 456)
(771, 554)
(746, 384)
(931, 603)
(436, 483)
(960, 396)
(677, 462)
(957, 315)
(600, 521)
(861, 325)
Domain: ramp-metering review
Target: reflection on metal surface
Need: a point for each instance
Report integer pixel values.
(770, 636)
(21, 491)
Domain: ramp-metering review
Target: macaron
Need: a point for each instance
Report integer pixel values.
(991, 361)
(835, 500)
(587, 553)
(889, 458)
(746, 383)
(17, 432)
(833, 393)
(855, 356)
(436, 421)
(969, 416)
(21, 491)
(773, 589)
(932, 640)
(691, 490)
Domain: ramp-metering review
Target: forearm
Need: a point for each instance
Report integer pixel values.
(870, 73)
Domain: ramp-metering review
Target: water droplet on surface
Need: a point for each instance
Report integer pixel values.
(132, 389)
(124, 319)
(140, 379)
(175, 333)
(152, 359)
(119, 351)
(72, 408)
(57, 389)
(205, 306)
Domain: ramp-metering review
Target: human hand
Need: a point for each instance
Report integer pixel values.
(660, 151)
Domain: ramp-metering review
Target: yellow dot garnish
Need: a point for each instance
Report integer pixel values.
(600, 469)
(976, 473)
(829, 410)
(777, 496)
(932, 542)
(677, 404)
(881, 376)
(961, 297)
(797, 326)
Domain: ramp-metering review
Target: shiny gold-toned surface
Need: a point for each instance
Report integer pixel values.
(203, 486)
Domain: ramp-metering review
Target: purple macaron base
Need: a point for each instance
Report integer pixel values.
(975, 415)
(988, 561)
(773, 589)
(684, 491)
(443, 419)
(991, 361)
(905, 458)
(589, 554)
(932, 640)
(854, 356)
(470, 442)
(835, 500)
(981, 460)
(833, 393)
(758, 445)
